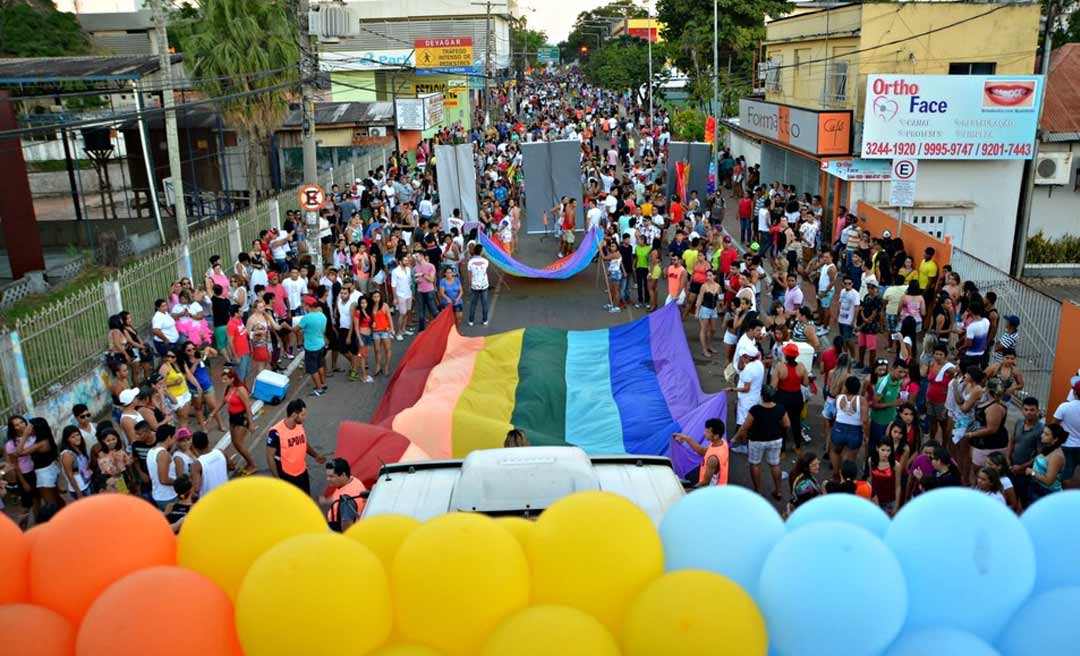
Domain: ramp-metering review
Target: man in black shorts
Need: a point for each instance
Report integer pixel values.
(287, 448)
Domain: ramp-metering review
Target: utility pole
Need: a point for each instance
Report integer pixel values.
(309, 67)
(651, 80)
(715, 68)
(171, 137)
(488, 68)
(1023, 225)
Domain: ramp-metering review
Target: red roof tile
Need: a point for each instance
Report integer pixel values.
(1061, 103)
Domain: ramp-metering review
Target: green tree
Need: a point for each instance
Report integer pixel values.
(688, 31)
(619, 64)
(39, 30)
(688, 125)
(524, 44)
(237, 46)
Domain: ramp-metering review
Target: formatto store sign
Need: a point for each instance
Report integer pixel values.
(951, 116)
(816, 133)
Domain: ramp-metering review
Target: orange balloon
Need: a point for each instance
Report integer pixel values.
(35, 631)
(14, 561)
(164, 611)
(90, 545)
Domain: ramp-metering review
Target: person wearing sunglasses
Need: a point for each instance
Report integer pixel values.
(82, 417)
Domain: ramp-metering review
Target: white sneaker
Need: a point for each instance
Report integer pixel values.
(485, 323)
(607, 306)
(410, 332)
(471, 323)
(614, 310)
(740, 448)
(369, 379)
(400, 338)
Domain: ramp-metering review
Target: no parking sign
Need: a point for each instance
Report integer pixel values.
(902, 192)
(311, 197)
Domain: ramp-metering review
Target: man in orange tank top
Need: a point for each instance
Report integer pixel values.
(714, 464)
(287, 448)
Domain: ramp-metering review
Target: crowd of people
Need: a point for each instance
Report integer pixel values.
(916, 369)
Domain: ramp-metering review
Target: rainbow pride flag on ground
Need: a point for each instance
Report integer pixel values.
(610, 391)
(561, 269)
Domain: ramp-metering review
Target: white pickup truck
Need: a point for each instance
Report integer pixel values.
(520, 482)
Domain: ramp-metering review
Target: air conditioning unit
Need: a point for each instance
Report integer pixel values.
(376, 132)
(1053, 168)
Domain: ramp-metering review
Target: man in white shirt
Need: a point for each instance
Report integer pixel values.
(763, 220)
(593, 216)
(848, 304)
(295, 288)
(610, 203)
(279, 250)
(391, 196)
(751, 378)
(748, 343)
(478, 282)
(212, 463)
(401, 281)
(163, 326)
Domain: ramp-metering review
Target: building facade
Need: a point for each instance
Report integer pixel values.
(816, 62)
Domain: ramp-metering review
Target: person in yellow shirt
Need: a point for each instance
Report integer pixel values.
(928, 271)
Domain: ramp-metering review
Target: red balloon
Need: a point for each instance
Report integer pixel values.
(35, 631)
(164, 611)
(14, 562)
(93, 543)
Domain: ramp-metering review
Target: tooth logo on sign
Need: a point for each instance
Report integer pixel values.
(885, 108)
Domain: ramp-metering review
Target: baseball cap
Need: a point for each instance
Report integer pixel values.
(727, 239)
(886, 235)
(272, 275)
(790, 350)
(871, 283)
(309, 300)
(182, 433)
(128, 395)
(1012, 320)
(755, 246)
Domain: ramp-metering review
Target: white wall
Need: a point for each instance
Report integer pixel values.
(740, 144)
(1055, 210)
(98, 6)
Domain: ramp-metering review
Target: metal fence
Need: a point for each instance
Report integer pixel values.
(1040, 316)
(62, 341)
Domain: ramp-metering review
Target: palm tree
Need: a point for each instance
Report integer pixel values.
(237, 46)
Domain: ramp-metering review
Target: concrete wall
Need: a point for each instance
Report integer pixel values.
(56, 183)
(1055, 210)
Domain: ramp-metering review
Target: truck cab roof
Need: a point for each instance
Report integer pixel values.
(520, 482)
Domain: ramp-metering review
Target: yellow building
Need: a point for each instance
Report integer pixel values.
(820, 59)
(807, 130)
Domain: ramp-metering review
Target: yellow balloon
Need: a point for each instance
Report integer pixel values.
(403, 649)
(518, 527)
(238, 522)
(692, 612)
(545, 630)
(383, 534)
(317, 595)
(455, 578)
(594, 551)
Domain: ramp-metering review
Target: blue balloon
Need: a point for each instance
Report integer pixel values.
(832, 588)
(841, 508)
(953, 642)
(1055, 533)
(967, 560)
(721, 528)
(1044, 625)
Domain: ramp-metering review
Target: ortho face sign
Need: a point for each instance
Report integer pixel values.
(951, 116)
(818, 133)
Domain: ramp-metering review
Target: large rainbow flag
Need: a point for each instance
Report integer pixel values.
(561, 269)
(611, 391)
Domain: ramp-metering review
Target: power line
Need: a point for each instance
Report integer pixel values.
(116, 118)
